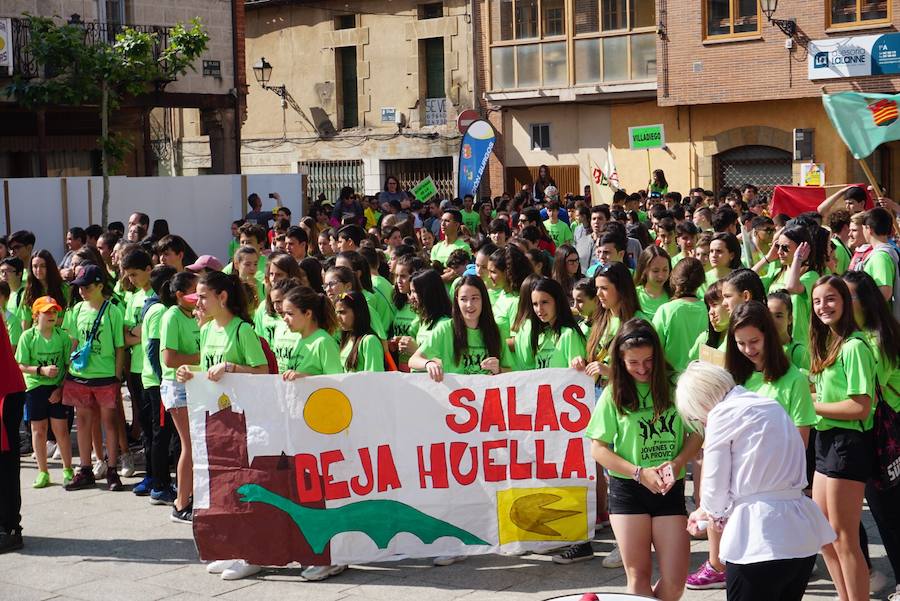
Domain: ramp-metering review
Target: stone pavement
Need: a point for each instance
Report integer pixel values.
(96, 545)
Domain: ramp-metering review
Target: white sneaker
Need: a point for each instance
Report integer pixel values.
(52, 447)
(614, 559)
(877, 581)
(895, 596)
(220, 565)
(448, 560)
(127, 469)
(240, 569)
(314, 573)
(100, 469)
(57, 454)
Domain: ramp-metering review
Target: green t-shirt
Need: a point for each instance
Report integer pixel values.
(177, 332)
(441, 251)
(235, 343)
(423, 331)
(380, 315)
(791, 391)
(318, 355)
(505, 308)
(133, 307)
(524, 358)
(471, 220)
(369, 354)
(798, 354)
(33, 350)
(232, 248)
(286, 346)
(635, 436)
(265, 324)
(110, 336)
(850, 375)
(881, 267)
(680, 323)
(13, 326)
(802, 302)
(406, 322)
(559, 232)
(150, 331)
(649, 304)
(385, 290)
(553, 350)
(841, 257)
(440, 346)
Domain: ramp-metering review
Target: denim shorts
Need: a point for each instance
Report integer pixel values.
(173, 394)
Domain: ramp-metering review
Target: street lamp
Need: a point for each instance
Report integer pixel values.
(262, 71)
(787, 26)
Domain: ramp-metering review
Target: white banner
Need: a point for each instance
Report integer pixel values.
(6, 53)
(379, 466)
(857, 56)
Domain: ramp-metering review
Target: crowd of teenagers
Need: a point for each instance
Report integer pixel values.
(633, 293)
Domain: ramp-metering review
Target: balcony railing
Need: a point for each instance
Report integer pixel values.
(95, 33)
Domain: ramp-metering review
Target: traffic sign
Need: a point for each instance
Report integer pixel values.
(465, 119)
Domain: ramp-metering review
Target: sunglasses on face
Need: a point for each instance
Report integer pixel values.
(783, 247)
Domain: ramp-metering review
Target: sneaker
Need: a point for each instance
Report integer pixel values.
(68, 475)
(574, 554)
(42, 480)
(84, 478)
(448, 560)
(100, 469)
(877, 581)
(52, 447)
(127, 462)
(165, 496)
(142, 488)
(113, 482)
(314, 573)
(11, 541)
(220, 565)
(706, 577)
(614, 559)
(183, 516)
(240, 569)
(895, 596)
(57, 454)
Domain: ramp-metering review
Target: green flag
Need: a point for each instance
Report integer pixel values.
(864, 121)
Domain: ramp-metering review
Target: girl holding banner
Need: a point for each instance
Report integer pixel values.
(636, 416)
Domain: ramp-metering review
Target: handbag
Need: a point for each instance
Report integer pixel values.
(80, 356)
(886, 435)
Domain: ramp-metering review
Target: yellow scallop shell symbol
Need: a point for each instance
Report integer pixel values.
(224, 402)
(328, 411)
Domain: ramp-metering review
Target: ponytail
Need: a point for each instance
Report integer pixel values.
(306, 299)
(180, 282)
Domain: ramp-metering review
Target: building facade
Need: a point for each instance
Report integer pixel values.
(733, 91)
(63, 140)
(357, 91)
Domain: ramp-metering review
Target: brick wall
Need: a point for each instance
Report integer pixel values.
(493, 180)
(752, 69)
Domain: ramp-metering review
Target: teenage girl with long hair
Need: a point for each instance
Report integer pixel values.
(842, 363)
(555, 339)
(584, 303)
(361, 349)
(637, 434)
(566, 268)
(428, 296)
(724, 257)
(279, 266)
(507, 269)
(651, 279)
(782, 309)
(683, 319)
(405, 324)
(43, 279)
(717, 322)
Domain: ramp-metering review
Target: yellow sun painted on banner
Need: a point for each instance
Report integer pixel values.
(224, 401)
(328, 411)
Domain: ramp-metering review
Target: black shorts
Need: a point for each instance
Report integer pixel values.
(38, 405)
(844, 454)
(633, 498)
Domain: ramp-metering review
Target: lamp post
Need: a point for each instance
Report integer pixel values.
(787, 26)
(262, 71)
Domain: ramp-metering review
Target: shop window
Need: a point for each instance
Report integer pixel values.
(764, 166)
(731, 18)
(849, 13)
(540, 136)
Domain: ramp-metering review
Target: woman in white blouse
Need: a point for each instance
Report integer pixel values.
(754, 473)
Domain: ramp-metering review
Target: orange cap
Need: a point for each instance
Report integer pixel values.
(45, 304)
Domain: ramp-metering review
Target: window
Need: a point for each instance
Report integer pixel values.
(435, 91)
(731, 18)
(433, 10)
(345, 22)
(348, 92)
(765, 166)
(848, 13)
(540, 136)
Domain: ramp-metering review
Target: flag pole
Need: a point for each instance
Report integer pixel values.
(871, 177)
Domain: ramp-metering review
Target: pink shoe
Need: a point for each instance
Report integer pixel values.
(706, 577)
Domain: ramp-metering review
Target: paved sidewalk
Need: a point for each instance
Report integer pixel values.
(96, 545)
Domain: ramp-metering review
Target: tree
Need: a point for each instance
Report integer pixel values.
(76, 70)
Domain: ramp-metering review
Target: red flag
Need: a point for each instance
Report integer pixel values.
(793, 200)
(11, 379)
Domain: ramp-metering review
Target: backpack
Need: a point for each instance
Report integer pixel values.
(891, 250)
(271, 360)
